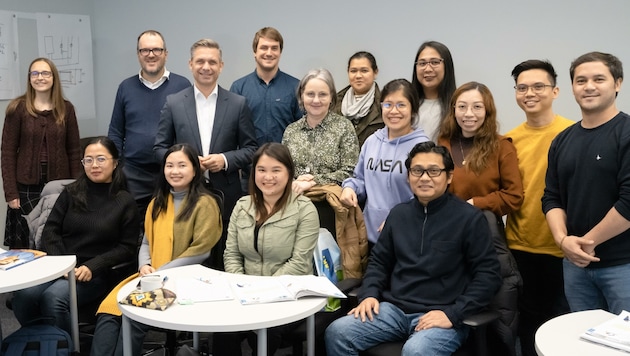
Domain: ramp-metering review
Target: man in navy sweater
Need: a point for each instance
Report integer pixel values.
(136, 114)
(433, 266)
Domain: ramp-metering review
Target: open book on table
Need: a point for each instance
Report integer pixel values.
(614, 332)
(283, 288)
(14, 258)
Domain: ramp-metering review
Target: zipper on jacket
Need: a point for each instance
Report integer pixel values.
(426, 214)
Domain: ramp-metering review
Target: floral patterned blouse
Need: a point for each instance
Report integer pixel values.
(329, 151)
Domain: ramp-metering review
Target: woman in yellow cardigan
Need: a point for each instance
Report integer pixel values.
(182, 224)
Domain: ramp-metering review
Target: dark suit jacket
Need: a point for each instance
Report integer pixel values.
(233, 135)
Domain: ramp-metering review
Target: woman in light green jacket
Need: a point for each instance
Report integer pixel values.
(272, 232)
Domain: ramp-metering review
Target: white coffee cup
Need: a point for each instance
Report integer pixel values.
(149, 283)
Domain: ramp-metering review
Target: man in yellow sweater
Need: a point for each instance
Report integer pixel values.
(529, 238)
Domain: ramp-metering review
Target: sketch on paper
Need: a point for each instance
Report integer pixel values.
(8, 56)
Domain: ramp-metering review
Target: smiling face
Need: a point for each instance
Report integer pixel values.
(470, 112)
(361, 75)
(99, 172)
(206, 65)
(594, 87)
(535, 103)
(316, 98)
(397, 114)
(178, 171)
(152, 65)
(271, 177)
(427, 188)
(40, 84)
(430, 77)
(267, 55)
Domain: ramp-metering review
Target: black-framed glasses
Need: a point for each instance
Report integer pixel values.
(45, 74)
(100, 160)
(389, 106)
(537, 88)
(146, 51)
(434, 62)
(431, 172)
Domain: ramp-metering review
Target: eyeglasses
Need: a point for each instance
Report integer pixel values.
(432, 172)
(434, 62)
(476, 108)
(312, 95)
(88, 161)
(146, 51)
(537, 88)
(389, 106)
(45, 74)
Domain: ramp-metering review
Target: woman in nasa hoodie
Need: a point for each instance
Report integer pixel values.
(380, 176)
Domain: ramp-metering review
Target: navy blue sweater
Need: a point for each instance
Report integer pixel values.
(134, 126)
(438, 257)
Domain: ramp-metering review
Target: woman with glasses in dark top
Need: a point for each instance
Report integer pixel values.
(40, 143)
(433, 77)
(94, 218)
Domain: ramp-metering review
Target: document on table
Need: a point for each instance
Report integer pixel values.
(614, 333)
(203, 289)
(284, 288)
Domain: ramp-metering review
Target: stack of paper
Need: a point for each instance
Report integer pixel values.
(614, 333)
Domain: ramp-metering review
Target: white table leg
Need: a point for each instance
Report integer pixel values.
(262, 342)
(126, 330)
(310, 335)
(74, 312)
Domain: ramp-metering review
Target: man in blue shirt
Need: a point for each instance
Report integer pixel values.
(270, 92)
(136, 114)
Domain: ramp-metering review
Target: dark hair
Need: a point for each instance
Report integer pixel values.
(408, 92)
(56, 94)
(431, 147)
(323, 75)
(447, 86)
(78, 189)
(269, 33)
(280, 153)
(152, 33)
(366, 55)
(195, 190)
(486, 140)
(536, 64)
(613, 63)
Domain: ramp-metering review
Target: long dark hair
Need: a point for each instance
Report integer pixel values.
(195, 190)
(447, 86)
(280, 153)
(78, 189)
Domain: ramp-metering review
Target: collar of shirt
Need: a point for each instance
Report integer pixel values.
(158, 83)
(199, 95)
(323, 123)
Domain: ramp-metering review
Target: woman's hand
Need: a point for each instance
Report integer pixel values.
(14, 204)
(301, 186)
(83, 274)
(146, 269)
(348, 197)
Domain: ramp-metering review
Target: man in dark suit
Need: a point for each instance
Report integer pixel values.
(213, 120)
(217, 123)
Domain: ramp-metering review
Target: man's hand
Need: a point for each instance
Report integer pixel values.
(368, 307)
(348, 197)
(580, 251)
(212, 162)
(434, 319)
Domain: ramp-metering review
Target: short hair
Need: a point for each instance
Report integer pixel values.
(613, 63)
(282, 154)
(366, 55)
(431, 147)
(269, 33)
(152, 33)
(322, 74)
(447, 86)
(536, 64)
(408, 92)
(208, 43)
